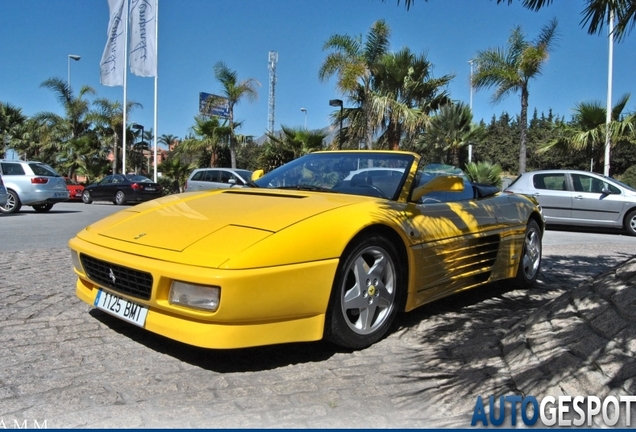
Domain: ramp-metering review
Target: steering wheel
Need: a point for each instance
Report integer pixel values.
(377, 190)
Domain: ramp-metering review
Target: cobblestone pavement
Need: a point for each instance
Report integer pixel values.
(67, 366)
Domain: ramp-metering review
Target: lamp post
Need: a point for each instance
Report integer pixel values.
(470, 146)
(71, 57)
(305, 111)
(336, 103)
(138, 127)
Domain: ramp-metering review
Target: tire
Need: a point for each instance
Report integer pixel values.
(42, 208)
(530, 262)
(120, 198)
(630, 223)
(13, 203)
(366, 294)
(86, 197)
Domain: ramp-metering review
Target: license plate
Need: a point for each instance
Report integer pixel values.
(120, 307)
(60, 194)
(150, 188)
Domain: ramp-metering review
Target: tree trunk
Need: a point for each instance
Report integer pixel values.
(523, 127)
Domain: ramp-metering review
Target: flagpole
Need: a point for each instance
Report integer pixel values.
(156, 79)
(123, 141)
(608, 118)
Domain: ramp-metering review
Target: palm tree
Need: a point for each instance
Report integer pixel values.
(596, 13)
(210, 136)
(355, 63)
(108, 117)
(451, 129)
(177, 170)
(11, 120)
(405, 94)
(291, 144)
(168, 140)
(510, 70)
(588, 129)
(234, 90)
(71, 128)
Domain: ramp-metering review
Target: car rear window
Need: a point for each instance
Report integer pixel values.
(43, 170)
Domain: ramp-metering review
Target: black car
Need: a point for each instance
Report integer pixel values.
(120, 189)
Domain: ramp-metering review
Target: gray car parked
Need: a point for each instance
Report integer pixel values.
(31, 183)
(217, 178)
(580, 198)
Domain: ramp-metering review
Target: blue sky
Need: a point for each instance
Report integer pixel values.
(195, 34)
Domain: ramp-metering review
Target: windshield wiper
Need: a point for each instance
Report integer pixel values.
(307, 187)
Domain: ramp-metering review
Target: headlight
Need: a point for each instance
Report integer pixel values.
(195, 296)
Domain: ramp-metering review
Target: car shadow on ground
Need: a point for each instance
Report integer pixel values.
(224, 361)
(593, 230)
(472, 321)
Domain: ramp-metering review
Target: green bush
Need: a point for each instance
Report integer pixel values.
(629, 176)
(484, 173)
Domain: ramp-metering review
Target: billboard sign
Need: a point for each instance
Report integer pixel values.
(213, 105)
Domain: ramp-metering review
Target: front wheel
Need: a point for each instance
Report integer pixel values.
(366, 294)
(42, 208)
(530, 262)
(630, 223)
(120, 198)
(13, 203)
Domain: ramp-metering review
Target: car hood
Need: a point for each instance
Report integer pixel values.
(208, 228)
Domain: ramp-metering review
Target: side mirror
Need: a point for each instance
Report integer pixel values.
(439, 184)
(606, 191)
(257, 174)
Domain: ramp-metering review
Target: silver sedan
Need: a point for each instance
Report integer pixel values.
(580, 198)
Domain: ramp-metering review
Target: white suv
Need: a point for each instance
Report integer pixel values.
(31, 183)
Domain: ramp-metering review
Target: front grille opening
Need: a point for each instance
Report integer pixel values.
(118, 278)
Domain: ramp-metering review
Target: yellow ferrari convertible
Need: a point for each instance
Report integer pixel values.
(331, 245)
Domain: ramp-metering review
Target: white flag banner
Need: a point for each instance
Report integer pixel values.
(112, 65)
(143, 38)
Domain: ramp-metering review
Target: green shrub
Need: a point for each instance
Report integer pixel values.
(484, 173)
(629, 176)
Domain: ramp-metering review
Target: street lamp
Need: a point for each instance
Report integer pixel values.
(305, 111)
(138, 127)
(336, 103)
(470, 146)
(71, 57)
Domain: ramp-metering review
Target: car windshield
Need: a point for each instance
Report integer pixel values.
(621, 183)
(376, 174)
(245, 174)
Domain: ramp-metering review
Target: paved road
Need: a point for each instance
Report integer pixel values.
(69, 366)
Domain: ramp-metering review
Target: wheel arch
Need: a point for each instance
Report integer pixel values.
(628, 212)
(400, 246)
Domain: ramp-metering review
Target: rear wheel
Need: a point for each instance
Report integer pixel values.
(120, 198)
(366, 294)
(630, 223)
(530, 256)
(42, 208)
(13, 203)
(86, 197)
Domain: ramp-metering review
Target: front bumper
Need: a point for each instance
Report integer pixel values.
(259, 306)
